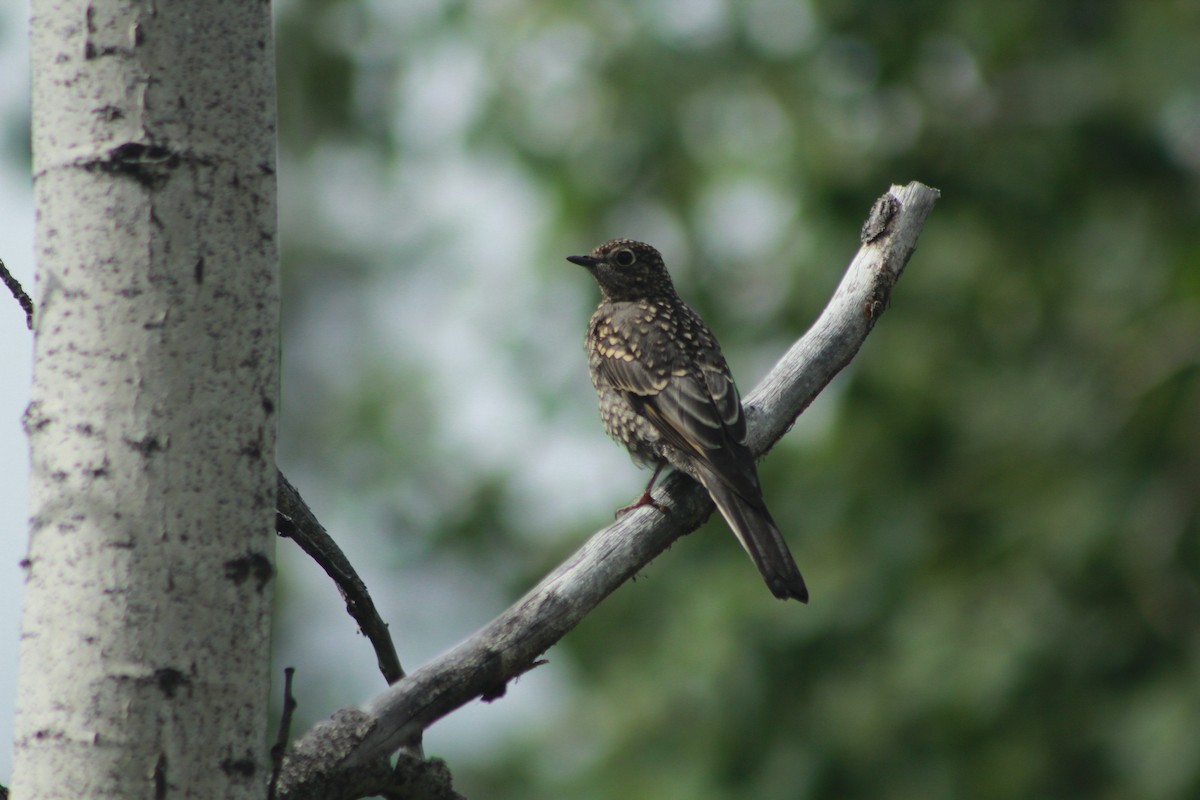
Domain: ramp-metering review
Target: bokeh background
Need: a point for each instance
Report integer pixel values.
(997, 506)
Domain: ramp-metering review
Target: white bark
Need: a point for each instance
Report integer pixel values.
(144, 646)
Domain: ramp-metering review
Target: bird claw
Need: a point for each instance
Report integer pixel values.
(644, 500)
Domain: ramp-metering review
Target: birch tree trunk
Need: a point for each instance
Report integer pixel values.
(144, 665)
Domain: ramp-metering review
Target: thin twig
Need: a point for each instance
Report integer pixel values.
(296, 521)
(285, 729)
(14, 286)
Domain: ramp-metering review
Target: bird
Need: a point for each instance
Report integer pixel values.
(666, 393)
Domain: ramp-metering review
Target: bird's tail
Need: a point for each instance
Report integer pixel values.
(754, 528)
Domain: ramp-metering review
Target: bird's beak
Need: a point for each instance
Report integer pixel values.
(583, 261)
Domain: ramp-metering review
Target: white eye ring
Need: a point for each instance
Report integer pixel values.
(625, 258)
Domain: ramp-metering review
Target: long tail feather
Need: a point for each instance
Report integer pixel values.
(760, 537)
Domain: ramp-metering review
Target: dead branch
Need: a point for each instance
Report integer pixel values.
(511, 644)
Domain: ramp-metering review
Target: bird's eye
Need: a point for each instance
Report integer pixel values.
(625, 258)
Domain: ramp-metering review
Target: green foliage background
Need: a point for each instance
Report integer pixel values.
(996, 507)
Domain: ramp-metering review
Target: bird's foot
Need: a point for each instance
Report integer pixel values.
(644, 500)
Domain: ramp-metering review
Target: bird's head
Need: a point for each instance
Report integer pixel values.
(627, 270)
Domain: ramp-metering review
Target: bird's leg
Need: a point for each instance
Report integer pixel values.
(646, 499)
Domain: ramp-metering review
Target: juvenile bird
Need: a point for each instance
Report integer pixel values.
(667, 395)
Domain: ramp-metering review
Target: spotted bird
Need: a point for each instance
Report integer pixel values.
(667, 395)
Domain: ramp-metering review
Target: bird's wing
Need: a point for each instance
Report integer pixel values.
(696, 408)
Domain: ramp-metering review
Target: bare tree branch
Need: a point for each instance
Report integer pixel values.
(285, 727)
(295, 520)
(510, 645)
(18, 293)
